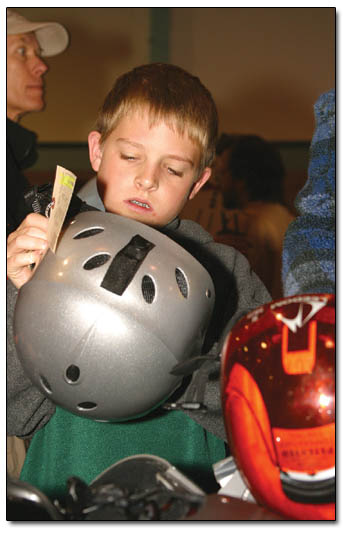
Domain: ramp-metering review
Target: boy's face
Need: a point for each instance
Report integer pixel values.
(144, 173)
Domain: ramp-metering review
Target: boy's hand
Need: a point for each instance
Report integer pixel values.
(26, 246)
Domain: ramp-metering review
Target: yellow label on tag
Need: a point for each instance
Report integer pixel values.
(62, 191)
(68, 180)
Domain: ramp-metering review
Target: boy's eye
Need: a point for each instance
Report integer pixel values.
(174, 172)
(128, 157)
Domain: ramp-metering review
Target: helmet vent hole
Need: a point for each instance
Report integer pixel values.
(148, 289)
(89, 232)
(96, 261)
(45, 384)
(182, 282)
(72, 373)
(85, 406)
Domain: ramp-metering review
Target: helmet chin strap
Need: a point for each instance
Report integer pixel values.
(200, 367)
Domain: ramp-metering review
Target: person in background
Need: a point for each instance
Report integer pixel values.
(250, 174)
(27, 43)
(309, 252)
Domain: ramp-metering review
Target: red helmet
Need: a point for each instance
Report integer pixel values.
(278, 396)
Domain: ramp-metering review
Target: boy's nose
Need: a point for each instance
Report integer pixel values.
(146, 181)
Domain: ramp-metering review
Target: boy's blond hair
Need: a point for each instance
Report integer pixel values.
(169, 94)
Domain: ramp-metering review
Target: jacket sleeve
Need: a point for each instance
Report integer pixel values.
(309, 243)
(28, 409)
(238, 291)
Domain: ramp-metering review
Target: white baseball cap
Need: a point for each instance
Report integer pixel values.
(52, 37)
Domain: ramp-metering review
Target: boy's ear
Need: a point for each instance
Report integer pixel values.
(205, 176)
(95, 152)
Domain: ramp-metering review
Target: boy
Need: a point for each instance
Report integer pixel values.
(152, 149)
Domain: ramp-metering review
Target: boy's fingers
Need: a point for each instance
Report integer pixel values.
(26, 247)
(35, 220)
(34, 225)
(32, 230)
(20, 266)
(26, 239)
(22, 260)
(28, 242)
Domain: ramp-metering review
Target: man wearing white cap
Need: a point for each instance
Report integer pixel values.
(27, 43)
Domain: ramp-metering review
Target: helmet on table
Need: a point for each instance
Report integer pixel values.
(278, 396)
(104, 320)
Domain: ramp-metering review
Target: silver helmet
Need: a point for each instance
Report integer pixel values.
(104, 320)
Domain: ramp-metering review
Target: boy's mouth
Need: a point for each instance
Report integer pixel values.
(139, 204)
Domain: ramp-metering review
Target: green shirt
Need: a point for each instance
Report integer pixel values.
(69, 445)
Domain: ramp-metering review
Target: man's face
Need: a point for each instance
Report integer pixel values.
(25, 70)
(146, 173)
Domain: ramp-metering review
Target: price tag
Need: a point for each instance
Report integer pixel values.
(63, 188)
